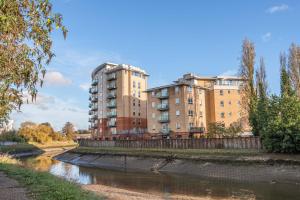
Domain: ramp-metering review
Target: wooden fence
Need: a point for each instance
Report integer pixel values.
(203, 143)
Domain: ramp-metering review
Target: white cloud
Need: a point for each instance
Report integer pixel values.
(277, 8)
(85, 86)
(266, 37)
(56, 78)
(231, 72)
(51, 109)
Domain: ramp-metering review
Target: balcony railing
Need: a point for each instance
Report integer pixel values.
(90, 105)
(94, 108)
(112, 114)
(163, 106)
(93, 90)
(162, 95)
(94, 99)
(197, 129)
(111, 76)
(90, 112)
(164, 119)
(111, 86)
(95, 116)
(111, 95)
(112, 104)
(111, 123)
(95, 82)
(165, 131)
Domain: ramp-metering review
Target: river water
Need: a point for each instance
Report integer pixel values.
(165, 183)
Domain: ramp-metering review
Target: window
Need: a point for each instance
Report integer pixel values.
(191, 113)
(133, 84)
(191, 125)
(228, 91)
(229, 102)
(133, 103)
(153, 115)
(229, 114)
(177, 112)
(153, 93)
(176, 89)
(139, 94)
(177, 100)
(153, 104)
(221, 92)
(133, 113)
(139, 114)
(222, 103)
(222, 115)
(134, 93)
(199, 91)
(139, 85)
(190, 100)
(200, 113)
(177, 125)
(189, 89)
(239, 103)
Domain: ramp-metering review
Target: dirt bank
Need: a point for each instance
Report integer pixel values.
(239, 171)
(112, 193)
(10, 189)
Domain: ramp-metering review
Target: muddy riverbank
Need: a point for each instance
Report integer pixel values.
(283, 172)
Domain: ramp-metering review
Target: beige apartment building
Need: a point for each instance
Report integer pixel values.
(117, 102)
(185, 108)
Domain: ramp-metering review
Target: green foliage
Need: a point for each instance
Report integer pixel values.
(44, 186)
(12, 136)
(218, 130)
(25, 48)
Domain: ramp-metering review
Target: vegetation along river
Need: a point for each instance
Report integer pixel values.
(164, 184)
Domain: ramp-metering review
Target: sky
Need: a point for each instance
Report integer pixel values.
(166, 38)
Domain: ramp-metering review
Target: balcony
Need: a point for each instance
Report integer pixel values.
(112, 114)
(90, 112)
(197, 129)
(163, 106)
(112, 104)
(111, 123)
(111, 86)
(164, 119)
(162, 95)
(111, 76)
(93, 90)
(94, 99)
(95, 116)
(95, 82)
(111, 95)
(90, 105)
(94, 108)
(165, 131)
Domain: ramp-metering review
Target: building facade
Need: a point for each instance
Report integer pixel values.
(117, 101)
(185, 108)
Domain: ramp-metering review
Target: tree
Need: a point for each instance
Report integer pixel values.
(25, 49)
(68, 130)
(249, 99)
(294, 67)
(285, 83)
(262, 101)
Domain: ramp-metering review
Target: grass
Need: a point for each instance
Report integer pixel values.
(179, 153)
(18, 148)
(45, 186)
(54, 144)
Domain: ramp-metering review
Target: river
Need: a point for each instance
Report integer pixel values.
(165, 184)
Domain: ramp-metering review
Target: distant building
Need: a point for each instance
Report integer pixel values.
(6, 126)
(118, 102)
(186, 107)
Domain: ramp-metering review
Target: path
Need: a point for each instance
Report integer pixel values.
(10, 189)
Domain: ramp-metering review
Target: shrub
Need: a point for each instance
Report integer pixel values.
(12, 136)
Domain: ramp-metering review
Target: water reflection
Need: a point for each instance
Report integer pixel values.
(165, 183)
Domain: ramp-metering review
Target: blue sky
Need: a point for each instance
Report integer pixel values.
(166, 38)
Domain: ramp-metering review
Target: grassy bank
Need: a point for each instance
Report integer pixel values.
(44, 186)
(18, 148)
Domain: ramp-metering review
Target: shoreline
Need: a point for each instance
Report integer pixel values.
(248, 169)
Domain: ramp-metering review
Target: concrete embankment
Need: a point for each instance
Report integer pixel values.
(246, 169)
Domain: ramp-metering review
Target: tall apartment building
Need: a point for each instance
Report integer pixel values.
(117, 101)
(185, 108)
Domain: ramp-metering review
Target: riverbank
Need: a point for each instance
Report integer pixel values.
(222, 164)
(42, 185)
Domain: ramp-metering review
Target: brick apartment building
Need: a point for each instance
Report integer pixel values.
(185, 108)
(118, 102)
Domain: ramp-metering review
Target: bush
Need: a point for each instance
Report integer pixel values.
(12, 136)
